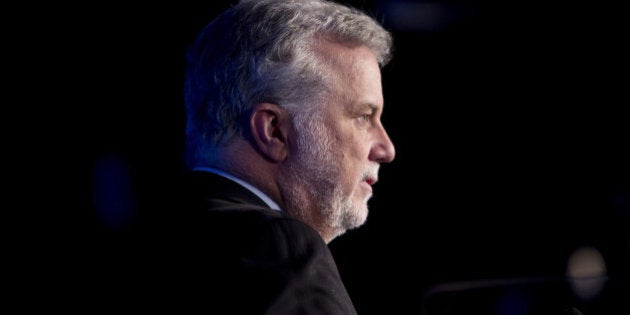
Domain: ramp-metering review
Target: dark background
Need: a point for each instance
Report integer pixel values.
(508, 118)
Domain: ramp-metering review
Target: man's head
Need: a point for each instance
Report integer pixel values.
(287, 95)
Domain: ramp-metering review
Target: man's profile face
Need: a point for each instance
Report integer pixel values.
(340, 146)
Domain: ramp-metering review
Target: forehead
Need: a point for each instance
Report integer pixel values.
(352, 72)
(345, 56)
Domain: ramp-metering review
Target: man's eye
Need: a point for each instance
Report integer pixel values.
(365, 117)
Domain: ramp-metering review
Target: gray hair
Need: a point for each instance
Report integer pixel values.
(260, 51)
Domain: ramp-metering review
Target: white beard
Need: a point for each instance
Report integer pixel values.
(314, 193)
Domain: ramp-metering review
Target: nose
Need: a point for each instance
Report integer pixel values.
(382, 150)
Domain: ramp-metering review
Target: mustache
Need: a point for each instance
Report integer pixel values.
(370, 174)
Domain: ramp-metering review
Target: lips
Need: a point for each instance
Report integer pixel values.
(370, 176)
(370, 181)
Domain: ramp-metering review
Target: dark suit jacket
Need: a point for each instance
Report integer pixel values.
(224, 251)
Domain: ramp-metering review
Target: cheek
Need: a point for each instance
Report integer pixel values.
(359, 148)
(352, 168)
(351, 147)
(354, 141)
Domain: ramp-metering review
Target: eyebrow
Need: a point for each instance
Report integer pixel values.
(361, 107)
(373, 107)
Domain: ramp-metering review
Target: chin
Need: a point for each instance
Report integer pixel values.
(348, 215)
(356, 217)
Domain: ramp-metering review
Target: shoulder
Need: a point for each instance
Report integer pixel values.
(282, 237)
(262, 232)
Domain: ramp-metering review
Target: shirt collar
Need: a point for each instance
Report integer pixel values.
(243, 183)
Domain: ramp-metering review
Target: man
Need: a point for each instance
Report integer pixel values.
(284, 142)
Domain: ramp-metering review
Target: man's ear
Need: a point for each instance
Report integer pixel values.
(269, 125)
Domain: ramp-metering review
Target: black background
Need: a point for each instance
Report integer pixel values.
(508, 119)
